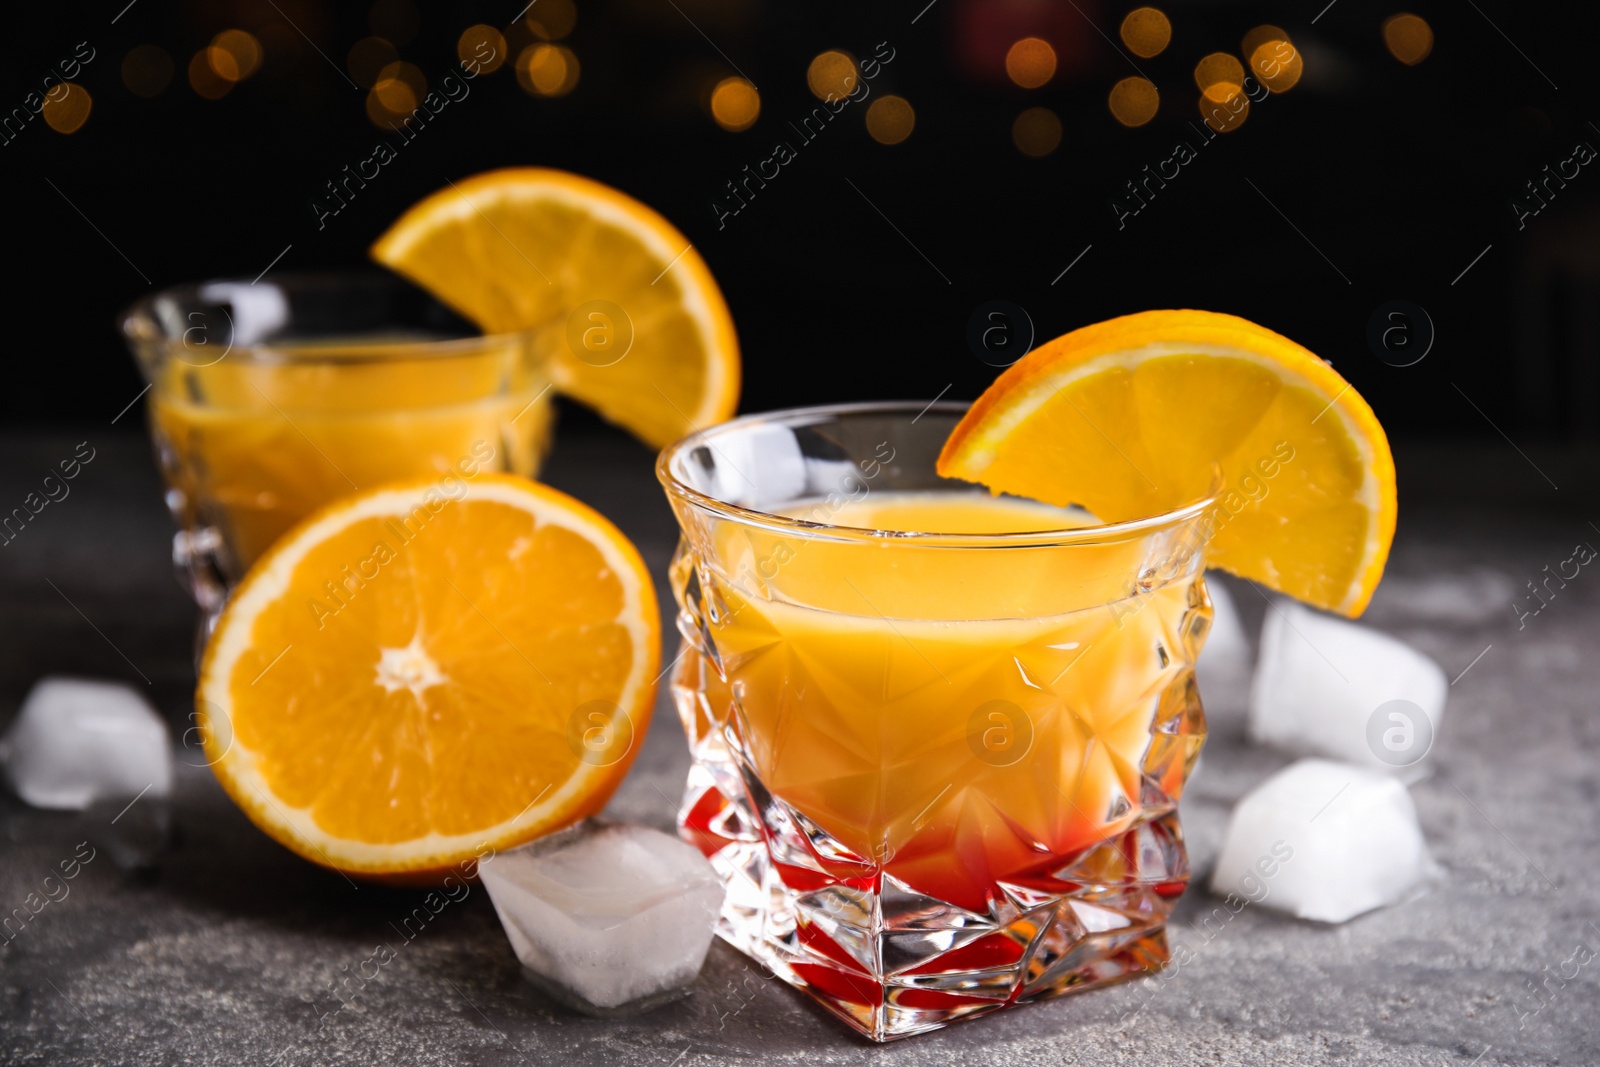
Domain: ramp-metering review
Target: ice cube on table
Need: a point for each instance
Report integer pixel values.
(1324, 840)
(77, 742)
(1223, 669)
(1325, 686)
(607, 918)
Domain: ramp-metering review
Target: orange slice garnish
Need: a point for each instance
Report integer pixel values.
(1135, 416)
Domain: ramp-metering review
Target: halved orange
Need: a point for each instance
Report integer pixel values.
(430, 669)
(1134, 416)
(622, 305)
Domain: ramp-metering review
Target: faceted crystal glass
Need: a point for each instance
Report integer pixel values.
(937, 773)
(273, 397)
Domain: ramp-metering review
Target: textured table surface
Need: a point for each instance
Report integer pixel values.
(227, 951)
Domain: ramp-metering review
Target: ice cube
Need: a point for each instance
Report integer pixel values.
(78, 741)
(1328, 687)
(607, 918)
(761, 467)
(1325, 841)
(1223, 669)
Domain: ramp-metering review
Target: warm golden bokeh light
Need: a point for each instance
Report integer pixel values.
(389, 91)
(551, 20)
(1031, 62)
(547, 69)
(66, 107)
(394, 96)
(890, 119)
(146, 70)
(1408, 37)
(482, 45)
(234, 55)
(832, 73)
(401, 87)
(1260, 36)
(1218, 67)
(1036, 132)
(1277, 64)
(735, 104)
(1146, 32)
(1224, 106)
(395, 20)
(1134, 101)
(398, 92)
(205, 81)
(367, 59)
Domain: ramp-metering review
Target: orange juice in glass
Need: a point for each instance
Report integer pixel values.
(939, 736)
(270, 399)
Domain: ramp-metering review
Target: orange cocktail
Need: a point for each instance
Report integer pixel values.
(269, 400)
(939, 735)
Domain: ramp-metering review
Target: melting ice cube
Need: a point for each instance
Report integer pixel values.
(1223, 670)
(607, 918)
(1325, 841)
(77, 742)
(1329, 687)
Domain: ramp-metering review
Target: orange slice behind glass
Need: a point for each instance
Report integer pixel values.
(621, 303)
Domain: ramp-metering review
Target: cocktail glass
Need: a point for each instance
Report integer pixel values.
(269, 399)
(937, 773)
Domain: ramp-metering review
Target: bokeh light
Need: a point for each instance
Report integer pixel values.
(735, 104)
(66, 107)
(1146, 32)
(1224, 106)
(833, 73)
(1134, 101)
(1408, 37)
(400, 88)
(890, 119)
(1277, 64)
(551, 20)
(367, 58)
(395, 20)
(204, 80)
(478, 41)
(147, 70)
(234, 55)
(1260, 36)
(1036, 132)
(1031, 62)
(547, 69)
(1218, 67)
(379, 112)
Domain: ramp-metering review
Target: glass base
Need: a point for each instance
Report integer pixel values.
(893, 962)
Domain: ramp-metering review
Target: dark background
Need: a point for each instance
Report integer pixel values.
(1374, 181)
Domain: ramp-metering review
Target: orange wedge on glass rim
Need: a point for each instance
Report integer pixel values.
(1135, 416)
(427, 671)
(623, 307)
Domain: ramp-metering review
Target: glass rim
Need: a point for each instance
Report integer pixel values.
(1097, 532)
(131, 318)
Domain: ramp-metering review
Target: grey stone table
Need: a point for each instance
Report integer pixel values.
(226, 953)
